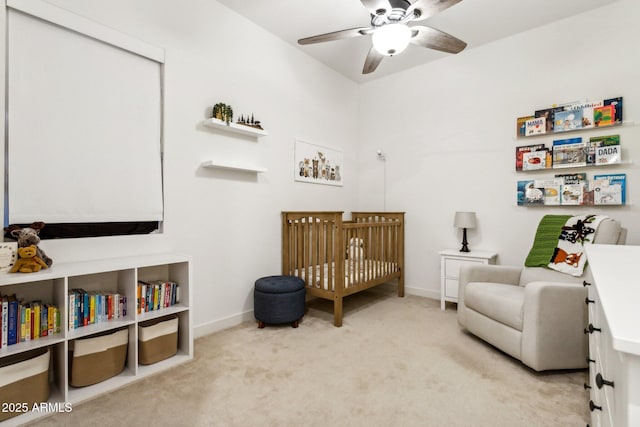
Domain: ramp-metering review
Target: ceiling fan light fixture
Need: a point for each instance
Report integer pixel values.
(391, 39)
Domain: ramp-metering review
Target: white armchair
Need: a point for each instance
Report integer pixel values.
(534, 314)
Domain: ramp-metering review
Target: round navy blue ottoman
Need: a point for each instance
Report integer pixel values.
(279, 299)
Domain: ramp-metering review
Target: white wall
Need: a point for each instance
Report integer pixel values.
(448, 132)
(228, 221)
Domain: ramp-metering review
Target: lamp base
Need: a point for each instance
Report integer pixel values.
(465, 247)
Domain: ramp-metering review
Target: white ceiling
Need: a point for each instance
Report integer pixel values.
(476, 22)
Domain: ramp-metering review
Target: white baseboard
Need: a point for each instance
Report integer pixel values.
(221, 324)
(427, 293)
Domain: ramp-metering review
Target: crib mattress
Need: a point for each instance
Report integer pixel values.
(355, 272)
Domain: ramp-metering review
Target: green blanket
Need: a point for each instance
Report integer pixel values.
(546, 240)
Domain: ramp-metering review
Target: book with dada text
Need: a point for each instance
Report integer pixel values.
(604, 116)
(567, 120)
(521, 126)
(535, 160)
(525, 149)
(549, 115)
(616, 179)
(569, 152)
(535, 126)
(587, 111)
(617, 107)
(607, 149)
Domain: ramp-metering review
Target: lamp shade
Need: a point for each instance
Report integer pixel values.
(465, 220)
(391, 39)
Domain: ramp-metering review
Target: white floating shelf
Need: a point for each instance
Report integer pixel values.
(233, 167)
(236, 128)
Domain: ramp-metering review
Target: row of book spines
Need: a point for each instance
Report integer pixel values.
(25, 321)
(156, 294)
(88, 308)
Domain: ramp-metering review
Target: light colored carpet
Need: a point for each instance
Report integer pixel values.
(395, 362)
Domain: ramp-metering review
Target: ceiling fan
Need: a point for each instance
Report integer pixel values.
(391, 33)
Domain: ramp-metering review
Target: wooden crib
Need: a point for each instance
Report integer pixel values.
(337, 258)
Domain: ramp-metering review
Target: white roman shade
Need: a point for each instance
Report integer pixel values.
(84, 120)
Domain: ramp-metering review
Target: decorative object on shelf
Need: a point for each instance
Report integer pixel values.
(223, 112)
(571, 116)
(28, 236)
(28, 261)
(251, 122)
(465, 220)
(317, 164)
(8, 255)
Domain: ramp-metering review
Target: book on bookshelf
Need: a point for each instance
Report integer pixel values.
(521, 150)
(569, 152)
(5, 321)
(572, 178)
(617, 106)
(549, 115)
(616, 179)
(536, 126)
(551, 189)
(521, 126)
(587, 111)
(607, 149)
(566, 120)
(572, 194)
(535, 160)
(604, 116)
(528, 194)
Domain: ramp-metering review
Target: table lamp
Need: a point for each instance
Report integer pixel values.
(465, 220)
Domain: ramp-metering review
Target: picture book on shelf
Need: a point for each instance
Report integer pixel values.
(617, 105)
(551, 189)
(535, 160)
(604, 116)
(569, 153)
(572, 178)
(536, 126)
(587, 111)
(521, 126)
(567, 120)
(549, 115)
(607, 149)
(529, 194)
(525, 149)
(572, 194)
(616, 179)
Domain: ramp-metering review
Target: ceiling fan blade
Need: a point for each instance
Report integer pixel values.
(373, 60)
(426, 8)
(377, 5)
(436, 39)
(336, 35)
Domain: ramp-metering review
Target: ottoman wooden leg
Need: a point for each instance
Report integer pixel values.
(260, 324)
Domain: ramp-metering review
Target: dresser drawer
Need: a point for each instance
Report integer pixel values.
(452, 266)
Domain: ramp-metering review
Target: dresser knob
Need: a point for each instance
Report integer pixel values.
(586, 386)
(602, 382)
(593, 406)
(591, 329)
(589, 301)
(585, 283)
(590, 360)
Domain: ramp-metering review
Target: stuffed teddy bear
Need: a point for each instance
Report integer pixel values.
(28, 261)
(29, 236)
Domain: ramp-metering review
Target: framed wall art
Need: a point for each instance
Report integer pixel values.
(317, 164)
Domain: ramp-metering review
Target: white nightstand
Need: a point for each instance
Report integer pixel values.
(450, 262)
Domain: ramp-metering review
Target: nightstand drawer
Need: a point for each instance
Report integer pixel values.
(452, 266)
(451, 288)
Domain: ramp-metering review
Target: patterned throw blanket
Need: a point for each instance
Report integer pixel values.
(559, 242)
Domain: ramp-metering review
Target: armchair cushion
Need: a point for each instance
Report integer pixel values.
(502, 303)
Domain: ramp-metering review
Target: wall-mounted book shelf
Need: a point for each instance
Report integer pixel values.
(235, 128)
(211, 164)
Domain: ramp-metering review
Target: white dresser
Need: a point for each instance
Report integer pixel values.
(614, 335)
